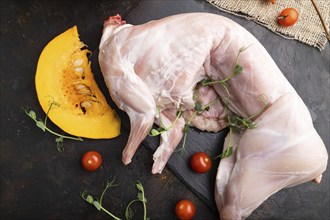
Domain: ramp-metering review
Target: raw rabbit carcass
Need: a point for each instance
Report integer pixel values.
(153, 71)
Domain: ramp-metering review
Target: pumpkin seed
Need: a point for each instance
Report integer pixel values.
(80, 86)
(86, 104)
(79, 70)
(78, 62)
(84, 92)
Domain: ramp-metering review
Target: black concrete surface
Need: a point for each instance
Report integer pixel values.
(38, 182)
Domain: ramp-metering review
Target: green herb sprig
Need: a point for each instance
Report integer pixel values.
(155, 132)
(140, 198)
(229, 149)
(43, 126)
(238, 69)
(128, 211)
(98, 203)
(237, 123)
(199, 109)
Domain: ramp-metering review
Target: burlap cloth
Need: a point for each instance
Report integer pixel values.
(308, 29)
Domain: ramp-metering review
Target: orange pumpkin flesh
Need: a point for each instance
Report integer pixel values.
(64, 77)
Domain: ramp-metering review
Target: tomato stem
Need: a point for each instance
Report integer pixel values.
(282, 17)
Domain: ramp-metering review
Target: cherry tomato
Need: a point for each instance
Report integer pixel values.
(185, 209)
(201, 162)
(91, 160)
(288, 17)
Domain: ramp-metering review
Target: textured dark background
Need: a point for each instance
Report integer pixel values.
(37, 182)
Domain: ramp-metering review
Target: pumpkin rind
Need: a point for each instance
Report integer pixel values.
(64, 76)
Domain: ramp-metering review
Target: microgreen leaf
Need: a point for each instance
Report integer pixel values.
(90, 199)
(247, 123)
(240, 122)
(59, 139)
(238, 69)
(138, 186)
(32, 114)
(87, 198)
(97, 205)
(198, 106)
(206, 82)
(185, 129)
(228, 152)
(154, 132)
(141, 197)
(41, 125)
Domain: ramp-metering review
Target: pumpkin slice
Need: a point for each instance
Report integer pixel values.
(65, 82)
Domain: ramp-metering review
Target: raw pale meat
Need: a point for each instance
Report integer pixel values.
(212, 120)
(152, 70)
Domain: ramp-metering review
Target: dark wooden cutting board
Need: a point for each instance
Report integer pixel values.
(201, 184)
